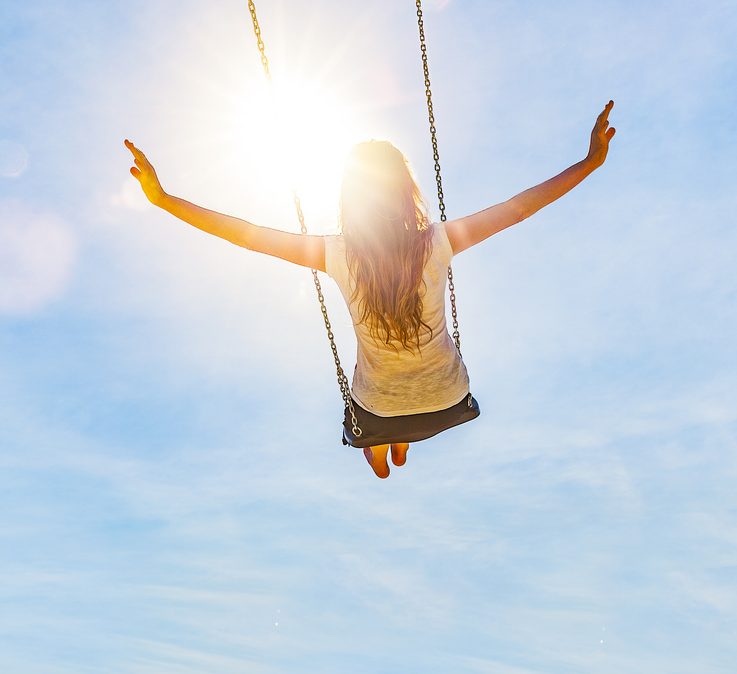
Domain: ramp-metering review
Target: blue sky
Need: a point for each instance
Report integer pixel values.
(174, 496)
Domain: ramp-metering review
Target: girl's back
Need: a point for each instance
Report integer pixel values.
(391, 380)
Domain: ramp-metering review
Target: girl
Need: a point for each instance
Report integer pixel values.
(390, 264)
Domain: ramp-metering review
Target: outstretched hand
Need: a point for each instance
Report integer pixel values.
(600, 136)
(144, 172)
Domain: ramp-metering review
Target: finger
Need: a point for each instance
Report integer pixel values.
(610, 133)
(605, 112)
(135, 172)
(136, 152)
(130, 146)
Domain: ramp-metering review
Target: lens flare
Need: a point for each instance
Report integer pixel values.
(301, 133)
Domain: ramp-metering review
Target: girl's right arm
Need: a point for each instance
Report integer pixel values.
(304, 250)
(466, 232)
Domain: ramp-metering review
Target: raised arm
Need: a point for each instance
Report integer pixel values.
(472, 229)
(304, 250)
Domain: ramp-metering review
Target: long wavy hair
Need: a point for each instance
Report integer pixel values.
(383, 219)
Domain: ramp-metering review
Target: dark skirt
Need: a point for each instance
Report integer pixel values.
(376, 430)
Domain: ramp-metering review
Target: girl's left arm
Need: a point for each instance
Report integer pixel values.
(301, 249)
(466, 232)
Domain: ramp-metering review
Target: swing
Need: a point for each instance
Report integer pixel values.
(362, 428)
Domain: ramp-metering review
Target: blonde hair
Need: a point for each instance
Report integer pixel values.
(384, 222)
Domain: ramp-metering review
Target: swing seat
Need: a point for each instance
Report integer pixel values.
(378, 430)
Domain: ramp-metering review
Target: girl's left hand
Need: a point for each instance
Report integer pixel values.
(600, 137)
(144, 172)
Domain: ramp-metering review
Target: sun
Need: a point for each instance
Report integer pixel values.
(245, 142)
(301, 132)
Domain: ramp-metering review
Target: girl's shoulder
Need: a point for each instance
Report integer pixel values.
(335, 259)
(441, 242)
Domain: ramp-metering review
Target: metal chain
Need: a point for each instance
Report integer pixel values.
(345, 389)
(436, 157)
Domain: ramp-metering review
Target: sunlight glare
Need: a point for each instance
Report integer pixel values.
(300, 133)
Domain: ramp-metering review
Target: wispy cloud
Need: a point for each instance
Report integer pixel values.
(175, 497)
(38, 258)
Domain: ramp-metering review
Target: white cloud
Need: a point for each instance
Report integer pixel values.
(155, 656)
(37, 257)
(130, 196)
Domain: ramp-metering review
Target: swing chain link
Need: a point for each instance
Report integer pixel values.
(345, 389)
(343, 384)
(436, 158)
(259, 40)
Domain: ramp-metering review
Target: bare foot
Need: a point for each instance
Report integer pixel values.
(399, 453)
(376, 456)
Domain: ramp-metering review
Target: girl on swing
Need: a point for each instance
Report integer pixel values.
(390, 263)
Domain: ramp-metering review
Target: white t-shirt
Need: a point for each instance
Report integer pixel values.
(393, 383)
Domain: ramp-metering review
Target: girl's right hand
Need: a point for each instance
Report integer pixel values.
(144, 172)
(600, 137)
